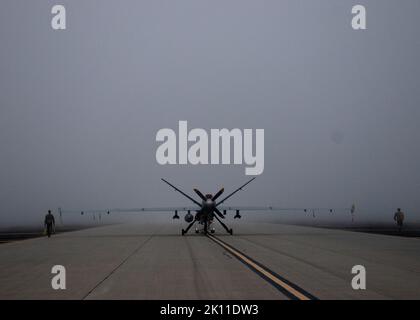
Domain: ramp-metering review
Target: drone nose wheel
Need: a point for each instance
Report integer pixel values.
(183, 232)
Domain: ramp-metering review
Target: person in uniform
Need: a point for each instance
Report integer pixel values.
(399, 218)
(49, 223)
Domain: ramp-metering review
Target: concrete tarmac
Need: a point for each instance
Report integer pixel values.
(153, 261)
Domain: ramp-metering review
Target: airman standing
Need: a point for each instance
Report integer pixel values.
(399, 218)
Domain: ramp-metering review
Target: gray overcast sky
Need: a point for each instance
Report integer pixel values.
(80, 108)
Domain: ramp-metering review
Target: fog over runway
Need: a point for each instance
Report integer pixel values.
(81, 107)
(153, 261)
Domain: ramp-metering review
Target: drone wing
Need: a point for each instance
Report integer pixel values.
(277, 209)
(132, 210)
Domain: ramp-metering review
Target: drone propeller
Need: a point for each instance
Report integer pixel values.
(217, 211)
(218, 194)
(198, 192)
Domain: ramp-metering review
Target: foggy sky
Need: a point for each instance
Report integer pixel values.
(80, 108)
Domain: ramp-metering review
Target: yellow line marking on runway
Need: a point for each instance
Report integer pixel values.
(273, 278)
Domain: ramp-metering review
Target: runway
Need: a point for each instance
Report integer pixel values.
(153, 261)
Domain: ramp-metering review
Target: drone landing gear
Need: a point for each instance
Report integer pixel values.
(188, 228)
(230, 231)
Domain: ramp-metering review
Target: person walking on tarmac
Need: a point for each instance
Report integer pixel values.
(399, 218)
(49, 223)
